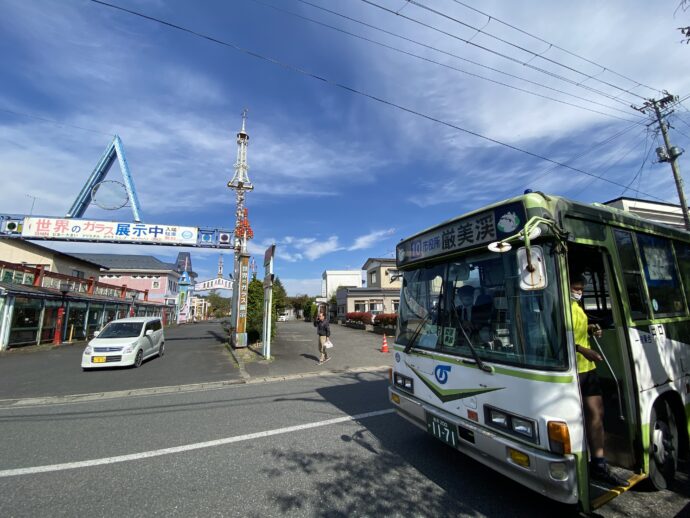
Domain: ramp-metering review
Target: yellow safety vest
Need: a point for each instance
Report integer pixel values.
(580, 322)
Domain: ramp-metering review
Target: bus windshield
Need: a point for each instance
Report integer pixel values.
(478, 299)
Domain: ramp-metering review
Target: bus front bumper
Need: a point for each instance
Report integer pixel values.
(552, 475)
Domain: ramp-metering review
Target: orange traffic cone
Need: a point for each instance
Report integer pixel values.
(384, 345)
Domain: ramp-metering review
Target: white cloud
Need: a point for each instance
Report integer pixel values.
(371, 239)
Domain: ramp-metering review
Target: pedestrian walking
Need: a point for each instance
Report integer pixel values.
(323, 330)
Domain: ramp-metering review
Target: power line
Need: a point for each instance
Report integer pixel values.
(553, 45)
(299, 70)
(639, 171)
(52, 121)
(504, 56)
(523, 49)
(591, 149)
(618, 159)
(428, 60)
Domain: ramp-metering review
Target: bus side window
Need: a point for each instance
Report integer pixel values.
(683, 258)
(661, 275)
(632, 275)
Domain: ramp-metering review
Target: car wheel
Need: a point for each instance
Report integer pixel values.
(663, 446)
(161, 349)
(139, 358)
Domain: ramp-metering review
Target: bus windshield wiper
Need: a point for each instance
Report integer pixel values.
(475, 354)
(416, 333)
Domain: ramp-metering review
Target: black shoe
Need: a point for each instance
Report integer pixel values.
(602, 473)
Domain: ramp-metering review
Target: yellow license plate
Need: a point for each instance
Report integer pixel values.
(98, 359)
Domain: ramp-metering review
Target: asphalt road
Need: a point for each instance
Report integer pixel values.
(195, 353)
(317, 446)
(312, 446)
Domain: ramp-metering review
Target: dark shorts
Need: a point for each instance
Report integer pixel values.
(589, 384)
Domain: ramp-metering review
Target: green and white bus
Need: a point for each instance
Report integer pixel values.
(485, 357)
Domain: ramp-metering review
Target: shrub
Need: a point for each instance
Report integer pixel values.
(387, 319)
(355, 316)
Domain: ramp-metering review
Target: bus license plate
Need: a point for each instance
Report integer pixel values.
(98, 359)
(442, 429)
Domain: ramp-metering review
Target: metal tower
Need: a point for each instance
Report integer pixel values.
(220, 266)
(240, 182)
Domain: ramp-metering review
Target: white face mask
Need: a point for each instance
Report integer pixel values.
(575, 296)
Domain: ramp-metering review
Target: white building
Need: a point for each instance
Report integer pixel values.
(331, 280)
(663, 213)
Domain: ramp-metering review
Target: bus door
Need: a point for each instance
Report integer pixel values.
(602, 305)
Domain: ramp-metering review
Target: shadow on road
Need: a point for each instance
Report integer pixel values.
(410, 474)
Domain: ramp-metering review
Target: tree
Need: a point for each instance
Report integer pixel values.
(255, 310)
(280, 298)
(309, 309)
(218, 306)
(685, 31)
(297, 302)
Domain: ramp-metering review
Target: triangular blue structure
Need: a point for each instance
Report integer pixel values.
(113, 151)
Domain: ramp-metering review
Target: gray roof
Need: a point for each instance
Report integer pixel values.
(127, 262)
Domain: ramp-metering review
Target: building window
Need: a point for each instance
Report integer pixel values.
(376, 306)
(396, 305)
(361, 305)
(373, 278)
(78, 274)
(155, 285)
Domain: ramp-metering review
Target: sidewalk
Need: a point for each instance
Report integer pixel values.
(294, 352)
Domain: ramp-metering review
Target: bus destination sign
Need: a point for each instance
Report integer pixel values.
(470, 232)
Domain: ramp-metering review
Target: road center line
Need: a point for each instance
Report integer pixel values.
(188, 447)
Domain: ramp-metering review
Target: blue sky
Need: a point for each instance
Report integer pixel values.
(339, 177)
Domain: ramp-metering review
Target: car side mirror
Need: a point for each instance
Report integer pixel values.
(149, 332)
(96, 333)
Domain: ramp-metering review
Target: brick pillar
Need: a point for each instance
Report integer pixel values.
(90, 285)
(123, 291)
(146, 295)
(38, 276)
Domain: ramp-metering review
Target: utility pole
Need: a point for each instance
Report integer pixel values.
(669, 153)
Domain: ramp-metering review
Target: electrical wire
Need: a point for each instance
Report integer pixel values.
(502, 55)
(430, 47)
(553, 45)
(350, 89)
(644, 161)
(523, 49)
(472, 74)
(590, 150)
(617, 160)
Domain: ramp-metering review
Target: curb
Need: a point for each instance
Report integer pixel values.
(240, 364)
(10, 404)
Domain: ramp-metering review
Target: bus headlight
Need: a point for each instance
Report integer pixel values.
(511, 423)
(523, 427)
(403, 382)
(498, 418)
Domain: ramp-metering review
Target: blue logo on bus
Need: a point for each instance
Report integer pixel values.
(441, 373)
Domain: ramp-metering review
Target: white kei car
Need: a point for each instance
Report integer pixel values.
(125, 342)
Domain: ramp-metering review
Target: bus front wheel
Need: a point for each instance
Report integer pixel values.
(663, 446)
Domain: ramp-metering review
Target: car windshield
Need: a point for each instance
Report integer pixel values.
(479, 299)
(121, 330)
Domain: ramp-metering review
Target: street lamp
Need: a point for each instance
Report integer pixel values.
(57, 336)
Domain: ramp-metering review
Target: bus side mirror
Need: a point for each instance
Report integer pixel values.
(531, 268)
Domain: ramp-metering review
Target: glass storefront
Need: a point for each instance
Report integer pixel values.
(94, 321)
(26, 319)
(33, 320)
(76, 320)
(49, 320)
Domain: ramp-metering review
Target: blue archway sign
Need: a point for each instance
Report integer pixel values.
(114, 150)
